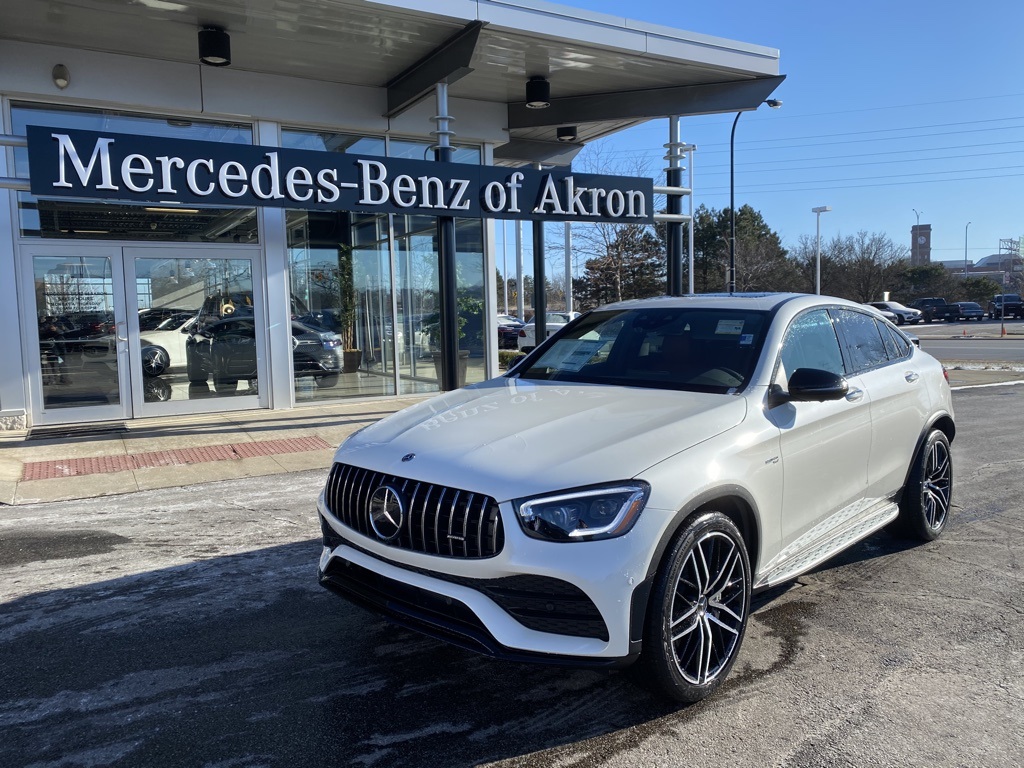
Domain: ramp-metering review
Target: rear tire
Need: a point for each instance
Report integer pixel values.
(927, 497)
(698, 611)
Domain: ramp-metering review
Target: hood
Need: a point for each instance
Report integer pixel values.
(510, 438)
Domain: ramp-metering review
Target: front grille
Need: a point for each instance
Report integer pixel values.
(443, 521)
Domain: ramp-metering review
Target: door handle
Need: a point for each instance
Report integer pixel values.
(116, 334)
(911, 377)
(854, 395)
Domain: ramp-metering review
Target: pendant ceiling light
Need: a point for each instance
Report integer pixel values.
(538, 93)
(214, 47)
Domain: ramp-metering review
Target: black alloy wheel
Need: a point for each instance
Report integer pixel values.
(699, 609)
(927, 497)
(155, 361)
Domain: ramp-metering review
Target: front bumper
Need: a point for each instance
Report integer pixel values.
(523, 604)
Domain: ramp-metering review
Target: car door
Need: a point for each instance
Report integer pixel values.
(884, 361)
(825, 445)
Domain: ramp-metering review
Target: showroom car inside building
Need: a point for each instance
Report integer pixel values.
(306, 286)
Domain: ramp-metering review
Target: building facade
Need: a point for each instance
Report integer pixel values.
(117, 307)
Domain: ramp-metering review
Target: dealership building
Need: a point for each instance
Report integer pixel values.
(238, 204)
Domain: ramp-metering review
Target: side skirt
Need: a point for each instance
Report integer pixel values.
(842, 530)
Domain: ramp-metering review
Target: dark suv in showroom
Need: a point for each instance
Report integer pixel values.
(225, 350)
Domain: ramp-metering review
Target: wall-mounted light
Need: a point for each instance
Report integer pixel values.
(538, 93)
(214, 47)
(566, 133)
(61, 76)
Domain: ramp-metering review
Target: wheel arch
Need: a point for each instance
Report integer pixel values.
(942, 422)
(732, 501)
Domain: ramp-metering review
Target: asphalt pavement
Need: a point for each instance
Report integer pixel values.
(185, 627)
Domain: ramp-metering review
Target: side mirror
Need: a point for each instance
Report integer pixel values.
(812, 384)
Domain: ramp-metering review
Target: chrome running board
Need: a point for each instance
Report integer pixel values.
(842, 530)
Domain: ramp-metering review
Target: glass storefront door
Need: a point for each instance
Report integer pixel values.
(76, 333)
(118, 333)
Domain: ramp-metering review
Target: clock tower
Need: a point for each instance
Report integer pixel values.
(920, 245)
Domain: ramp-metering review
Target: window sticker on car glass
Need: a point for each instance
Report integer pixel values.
(729, 327)
(570, 354)
(746, 339)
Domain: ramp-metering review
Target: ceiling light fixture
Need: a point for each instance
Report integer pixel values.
(214, 47)
(61, 76)
(538, 93)
(566, 133)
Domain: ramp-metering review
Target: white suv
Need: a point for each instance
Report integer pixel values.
(620, 493)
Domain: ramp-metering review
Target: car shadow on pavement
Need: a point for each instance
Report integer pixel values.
(244, 660)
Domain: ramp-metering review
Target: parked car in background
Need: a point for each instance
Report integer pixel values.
(1005, 305)
(969, 310)
(508, 331)
(935, 308)
(887, 314)
(904, 315)
(225, 350)
(555, 321)
(163, 347)
(660, 460)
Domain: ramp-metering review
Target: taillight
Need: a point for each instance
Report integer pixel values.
(945, 374)
(522, 334)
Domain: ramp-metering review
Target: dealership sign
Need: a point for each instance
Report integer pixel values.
(109, 166)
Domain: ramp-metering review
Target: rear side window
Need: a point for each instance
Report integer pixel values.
(863, 340)
(811, 343)
(895, 342)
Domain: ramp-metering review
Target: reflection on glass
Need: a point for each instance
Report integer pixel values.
(197, 328)
(326, 141)
(339, 272)
(77, 347)
(86, 220)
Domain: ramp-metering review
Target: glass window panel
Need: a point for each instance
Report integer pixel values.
(811, 343)
(77, 347)
(326, 141)
(423, 150)
(90, 220)
(867, 350)
(339, 272)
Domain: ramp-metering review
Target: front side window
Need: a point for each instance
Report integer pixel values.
(811, 342)
(863, 339)
(697, 350)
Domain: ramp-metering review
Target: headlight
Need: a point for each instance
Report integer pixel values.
(586, 514)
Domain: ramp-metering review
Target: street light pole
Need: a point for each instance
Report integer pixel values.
(817, 261)
(965, 249)
(731, 282)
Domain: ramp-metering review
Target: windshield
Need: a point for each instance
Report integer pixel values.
(699, 350)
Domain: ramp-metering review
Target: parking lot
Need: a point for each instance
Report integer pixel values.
(171, 628)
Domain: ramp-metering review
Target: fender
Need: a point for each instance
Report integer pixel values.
(641, 595)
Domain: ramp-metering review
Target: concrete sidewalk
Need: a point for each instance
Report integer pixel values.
(179, 451)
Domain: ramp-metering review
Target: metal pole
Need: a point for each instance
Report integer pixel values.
(817, 268)
(540, 299)
(674, 205)
(520, 298)
(732, 206)
(817, 260)
(568, 267)
(448, 280)
(689, 164)
(504, 260)
(965, 249)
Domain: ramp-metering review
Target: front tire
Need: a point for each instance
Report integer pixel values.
(698, 610)
(927, 497)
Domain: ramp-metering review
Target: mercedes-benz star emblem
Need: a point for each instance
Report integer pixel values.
(387, 512)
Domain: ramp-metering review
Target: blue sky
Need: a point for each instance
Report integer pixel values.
(889, 106)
